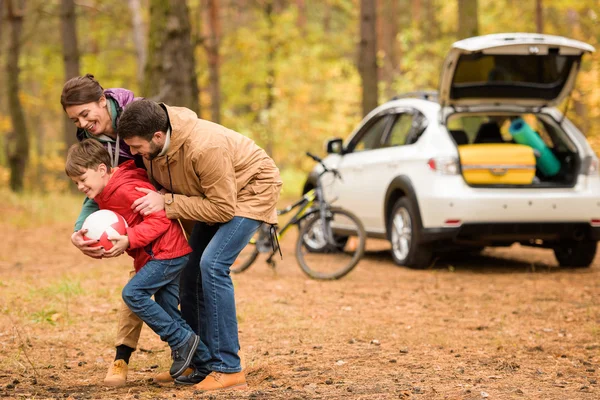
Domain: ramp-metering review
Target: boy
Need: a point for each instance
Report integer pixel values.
(156, 244)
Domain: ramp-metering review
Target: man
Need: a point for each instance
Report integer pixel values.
(230, 186)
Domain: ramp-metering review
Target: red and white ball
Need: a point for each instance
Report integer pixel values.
(103, 224)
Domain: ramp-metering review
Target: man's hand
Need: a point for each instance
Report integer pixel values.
(150, 203)
(85, 246)
(120, 244)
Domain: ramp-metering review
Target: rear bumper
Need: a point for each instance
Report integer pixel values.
(500, 233)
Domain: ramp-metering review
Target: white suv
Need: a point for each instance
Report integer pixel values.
(402, 171)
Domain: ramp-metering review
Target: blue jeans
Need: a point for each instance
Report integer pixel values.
(161, 279)
(207, 298)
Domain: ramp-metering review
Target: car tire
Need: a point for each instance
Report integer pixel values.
(578, 254)
(404, 226)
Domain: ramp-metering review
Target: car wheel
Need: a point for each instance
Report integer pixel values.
(406, 249)
(575, 254)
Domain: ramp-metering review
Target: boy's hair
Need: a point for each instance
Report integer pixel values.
(88, 154)
(142, 118)
(81, 90)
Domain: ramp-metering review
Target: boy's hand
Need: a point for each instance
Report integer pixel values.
(151, 202)
(120, 244)
(85, 245)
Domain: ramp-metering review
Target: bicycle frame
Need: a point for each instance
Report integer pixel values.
(306, 207)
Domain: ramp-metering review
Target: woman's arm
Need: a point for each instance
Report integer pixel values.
(89, 206)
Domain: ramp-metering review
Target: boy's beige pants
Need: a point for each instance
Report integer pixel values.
(130, 326)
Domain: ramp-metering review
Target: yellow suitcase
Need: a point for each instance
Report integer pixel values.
(497, 164)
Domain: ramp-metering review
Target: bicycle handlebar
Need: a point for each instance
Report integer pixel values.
(325, 168)
(316, 158)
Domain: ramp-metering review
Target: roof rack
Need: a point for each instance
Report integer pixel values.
(430, 95)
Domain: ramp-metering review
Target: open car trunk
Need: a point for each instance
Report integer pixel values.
(511, 71)
(514, 150)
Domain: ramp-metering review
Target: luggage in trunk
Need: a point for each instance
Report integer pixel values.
(497, 164)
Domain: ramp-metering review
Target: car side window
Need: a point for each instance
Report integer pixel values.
(400, 131)
(371, 138)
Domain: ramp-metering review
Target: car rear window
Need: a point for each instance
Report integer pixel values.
(509, 76)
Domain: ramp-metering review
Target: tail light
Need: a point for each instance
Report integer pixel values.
(593, 167)
(590, 166)
(444, 165)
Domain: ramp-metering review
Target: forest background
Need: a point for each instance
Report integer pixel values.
(287, 73)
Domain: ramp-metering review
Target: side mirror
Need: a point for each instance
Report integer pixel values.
(335, 146)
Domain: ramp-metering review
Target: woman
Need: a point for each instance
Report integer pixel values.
(95, 112)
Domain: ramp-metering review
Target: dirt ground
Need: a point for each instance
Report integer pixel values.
(507, 324)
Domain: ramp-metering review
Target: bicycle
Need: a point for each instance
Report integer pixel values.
(324, 249)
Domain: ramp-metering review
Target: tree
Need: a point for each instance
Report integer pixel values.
(212, 52)
(387, 30)
(18, 142)
(70, 57)
(367, 56)
(139, 38)
(301, 19)
(539, 17)
(468, 25)
(171, 68)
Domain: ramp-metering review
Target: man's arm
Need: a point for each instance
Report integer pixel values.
(217, 179)
(153, 225)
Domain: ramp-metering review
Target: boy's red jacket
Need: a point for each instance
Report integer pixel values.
(155, 232)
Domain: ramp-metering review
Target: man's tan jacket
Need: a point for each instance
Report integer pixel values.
(215, 173)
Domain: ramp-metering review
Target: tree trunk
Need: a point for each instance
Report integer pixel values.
(18, 142)
(539, 17)
(578, 95)
(301, 20)
(428, 24)
(139, 38)
(170, 74)
(2, 77)
(387, 23)
(468, 25)
(214, 62)
(68, 24)
(367, 56)
(327, 17)
(270, 75)
(415, 11)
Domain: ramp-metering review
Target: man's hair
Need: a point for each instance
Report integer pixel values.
(88, 154)
(81, 90)
(142, 118)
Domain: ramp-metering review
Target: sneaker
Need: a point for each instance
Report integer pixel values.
(191, 379)
(222, 381)
(165, 376)
(182, 357)
(117, 374)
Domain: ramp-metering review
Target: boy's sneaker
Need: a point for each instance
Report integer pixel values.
(195, 377)
(117, 374)
(182, 357)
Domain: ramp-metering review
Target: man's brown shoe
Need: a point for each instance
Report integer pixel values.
(165, 376)
(221, 381)
(117, 374)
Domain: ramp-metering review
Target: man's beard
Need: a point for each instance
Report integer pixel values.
(154, 151)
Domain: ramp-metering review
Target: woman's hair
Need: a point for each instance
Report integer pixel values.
(88, 154)
(81, 90)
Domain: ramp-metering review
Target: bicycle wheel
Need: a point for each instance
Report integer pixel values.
(248, 255)
(333, 260)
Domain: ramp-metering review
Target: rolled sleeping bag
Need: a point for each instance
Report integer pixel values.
(522, 133)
